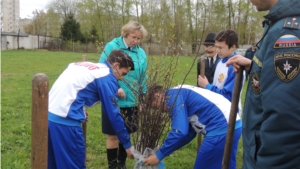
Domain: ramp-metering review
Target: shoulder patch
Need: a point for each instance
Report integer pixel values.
(287, 65)
(292, 22)
(287, 41)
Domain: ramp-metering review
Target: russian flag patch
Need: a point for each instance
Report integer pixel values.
(287, 41)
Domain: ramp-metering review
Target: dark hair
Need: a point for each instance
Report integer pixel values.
(229, 36)
(121, 57)
(152, 91)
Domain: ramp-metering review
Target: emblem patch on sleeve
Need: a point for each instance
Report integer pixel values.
(255, 83)
(287, 41)
(287, 65)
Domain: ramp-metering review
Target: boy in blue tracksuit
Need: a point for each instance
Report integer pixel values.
(80, 86)
(224, 77)
(271, 122)
(195, 110)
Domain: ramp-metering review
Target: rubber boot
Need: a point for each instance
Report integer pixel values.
(112, 157)
(122, 155)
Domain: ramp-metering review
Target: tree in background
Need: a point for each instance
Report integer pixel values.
(85, 38)
(188, 19)
(94, 34)
(38, 26)
(91, 36)
(64, 8)
(70, 30)
(54, 22)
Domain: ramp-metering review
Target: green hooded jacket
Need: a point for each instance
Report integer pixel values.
(134, 83)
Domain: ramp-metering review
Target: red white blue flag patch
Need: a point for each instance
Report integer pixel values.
(287, 41)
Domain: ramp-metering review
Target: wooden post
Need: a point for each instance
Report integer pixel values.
(202, 70)
(83, 58)
(232, 118)
(202, 74)
(39, 122)
(84, 123)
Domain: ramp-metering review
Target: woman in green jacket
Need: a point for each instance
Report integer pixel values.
(130, 88)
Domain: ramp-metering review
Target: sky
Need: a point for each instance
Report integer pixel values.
(27, 6)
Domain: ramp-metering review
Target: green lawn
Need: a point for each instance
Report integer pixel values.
(18, 69)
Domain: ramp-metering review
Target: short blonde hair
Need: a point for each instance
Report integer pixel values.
(133, 25)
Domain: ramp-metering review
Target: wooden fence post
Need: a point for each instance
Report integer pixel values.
(232, 117)
(202, 74)
(39, 122)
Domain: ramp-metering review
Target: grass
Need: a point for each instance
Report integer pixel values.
(18, 69)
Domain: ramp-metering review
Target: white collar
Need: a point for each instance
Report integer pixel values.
(125, 43)
(215, 57)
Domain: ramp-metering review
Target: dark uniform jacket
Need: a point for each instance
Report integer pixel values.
(209, 72)
(271, 121)
(249, 53)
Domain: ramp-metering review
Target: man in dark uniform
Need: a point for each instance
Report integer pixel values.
(212, 58)
(249, 54)
(271, 121)
(250, 51)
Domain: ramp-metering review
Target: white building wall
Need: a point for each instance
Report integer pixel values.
(26, 42)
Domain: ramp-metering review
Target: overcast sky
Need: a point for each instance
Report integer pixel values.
(27, 6)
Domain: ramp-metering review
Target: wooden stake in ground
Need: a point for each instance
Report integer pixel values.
(39, 121)
(202, 74)
(232, 117)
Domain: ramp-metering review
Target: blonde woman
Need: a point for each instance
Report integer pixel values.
(130, 88)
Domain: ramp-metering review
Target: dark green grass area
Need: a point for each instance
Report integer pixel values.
(17, 70)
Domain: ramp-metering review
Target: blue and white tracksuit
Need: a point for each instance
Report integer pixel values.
(223, 82)
(213, 111)
(81, 85)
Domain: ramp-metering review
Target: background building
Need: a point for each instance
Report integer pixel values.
(10, 15)
(23, 23)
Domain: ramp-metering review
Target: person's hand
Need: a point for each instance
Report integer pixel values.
(151, 160)
(238, 61)
(129, 154)
(202, 81)
(121, 93)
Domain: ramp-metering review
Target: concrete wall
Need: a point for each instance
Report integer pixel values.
(9, 42)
